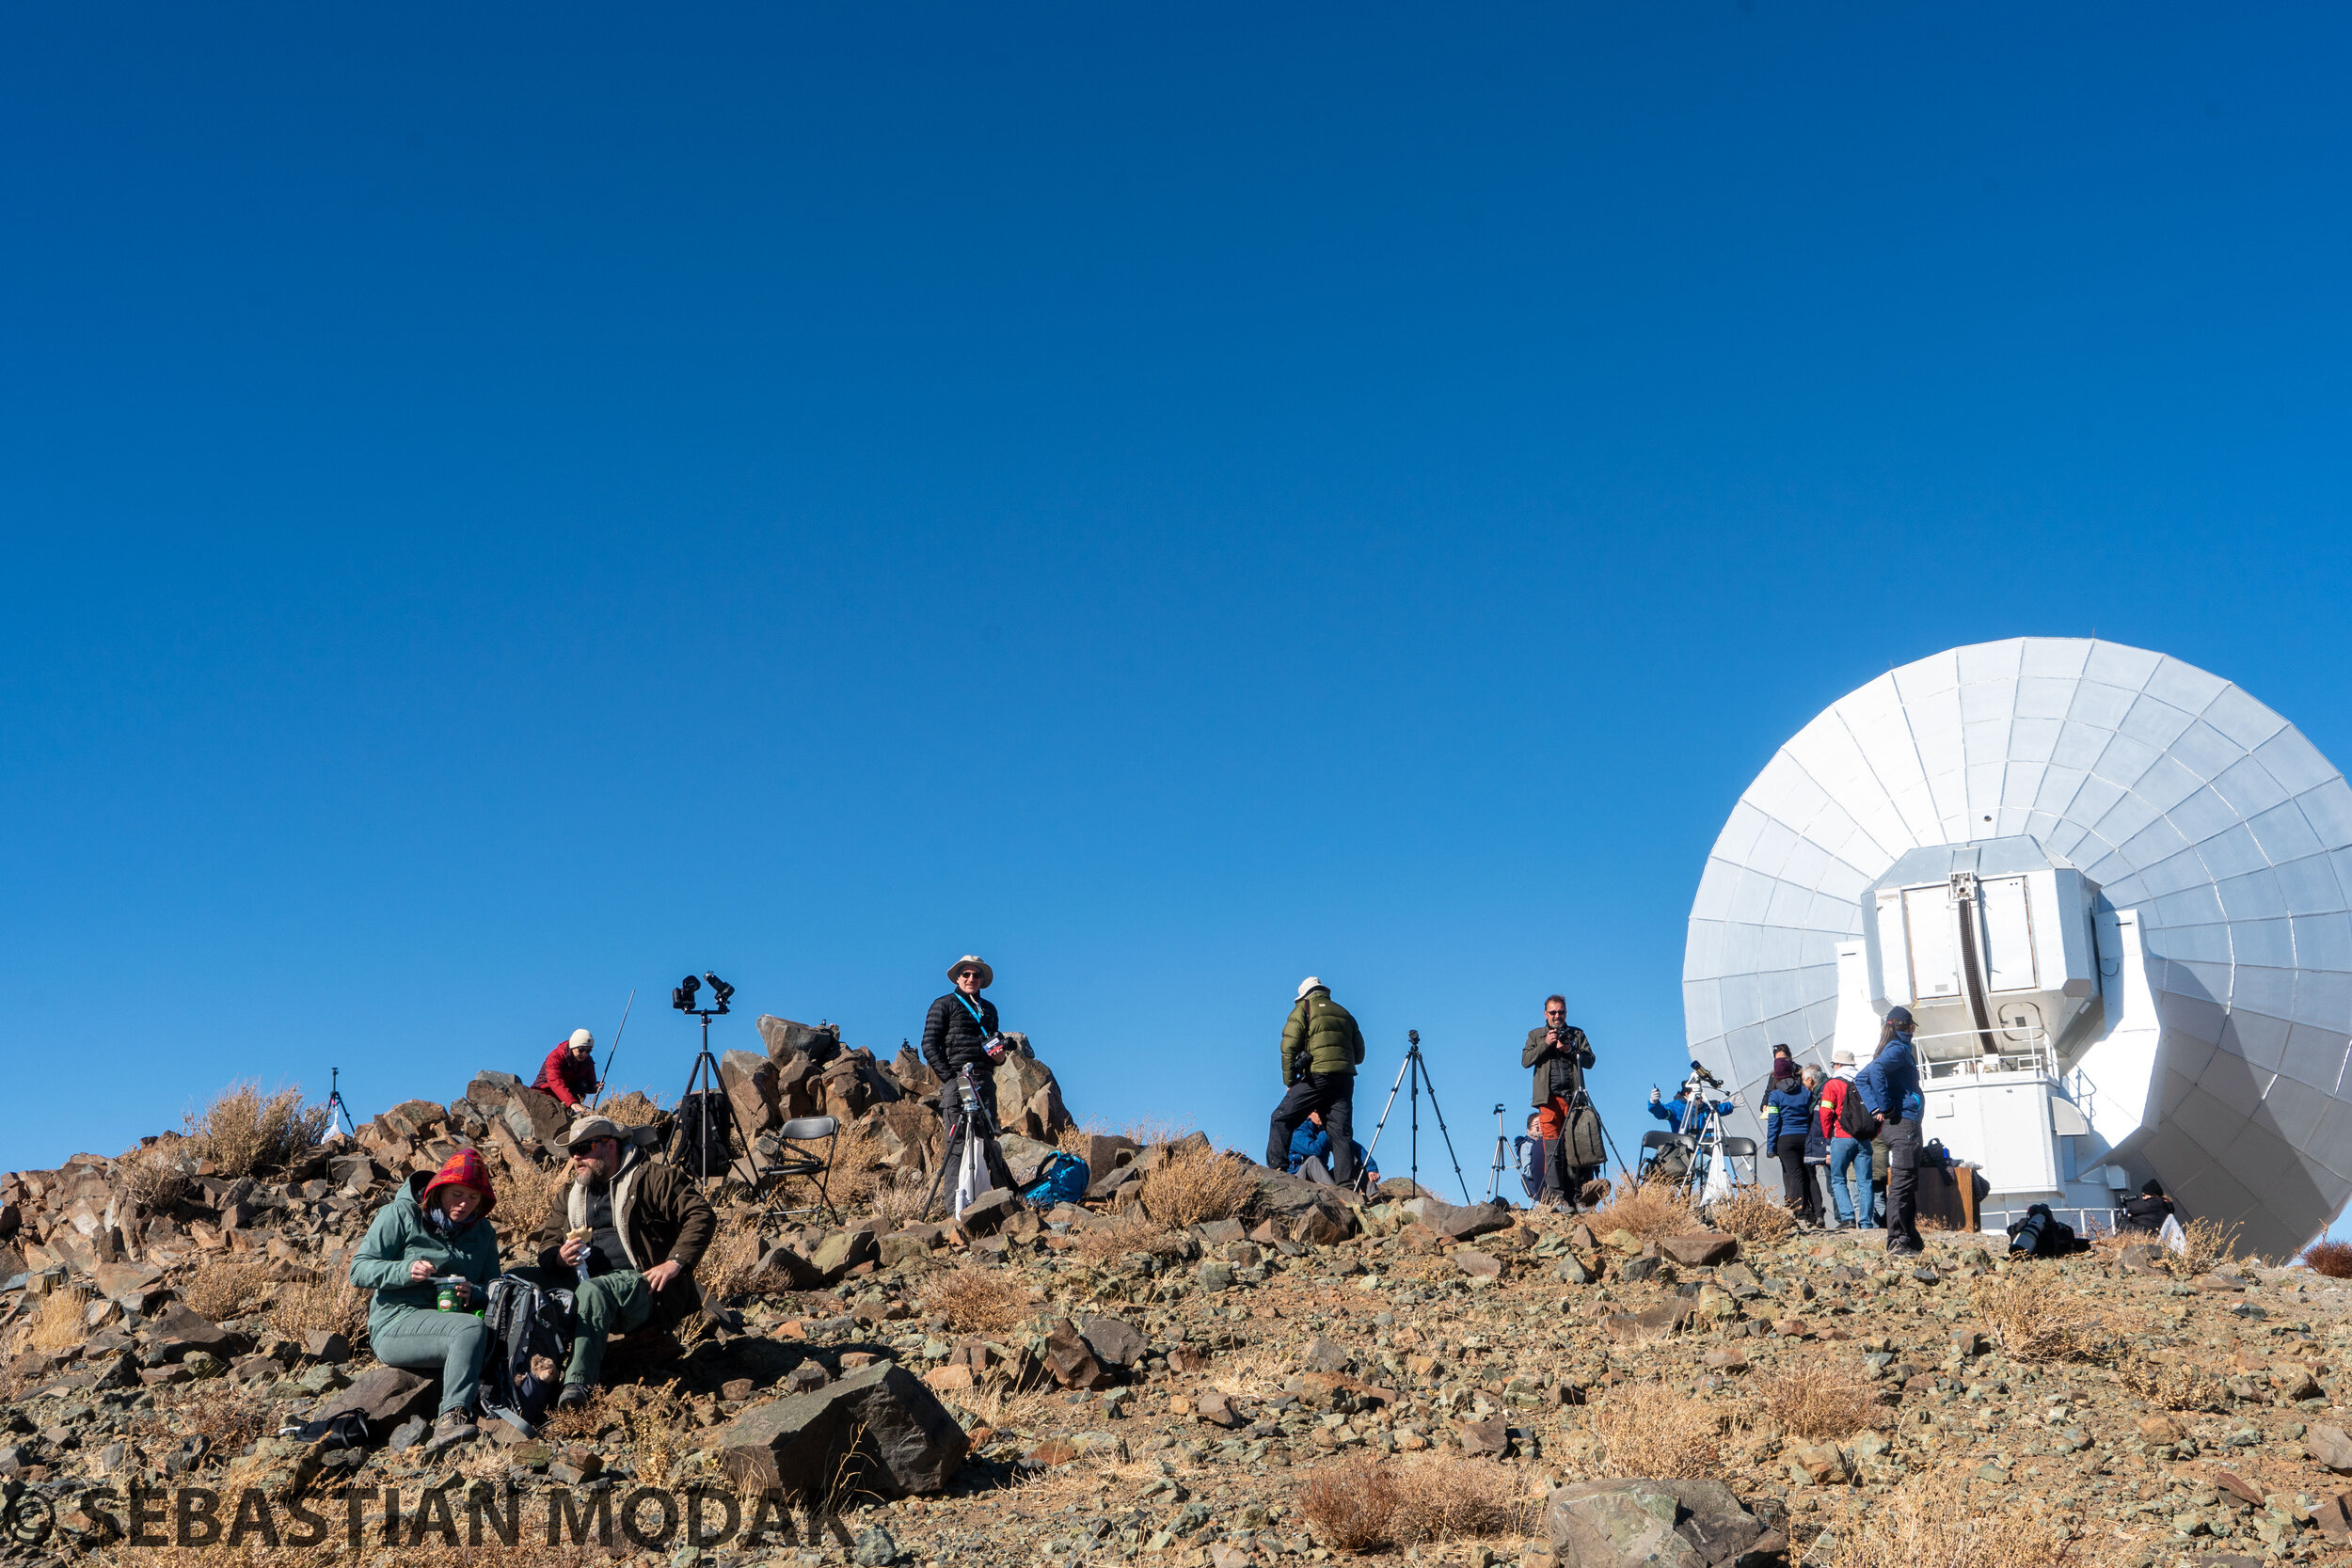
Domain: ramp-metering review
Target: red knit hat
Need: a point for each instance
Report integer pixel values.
(464, 1169)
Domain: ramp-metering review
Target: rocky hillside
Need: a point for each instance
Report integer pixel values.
(1203, 1364)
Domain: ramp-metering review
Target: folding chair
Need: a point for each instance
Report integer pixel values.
(1740, 1149)
(790, 1162)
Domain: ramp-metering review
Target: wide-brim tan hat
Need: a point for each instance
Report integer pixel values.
(972, 961)
(587, 1130)
(1842, 1057)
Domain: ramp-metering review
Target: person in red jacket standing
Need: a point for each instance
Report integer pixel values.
(569, 1073)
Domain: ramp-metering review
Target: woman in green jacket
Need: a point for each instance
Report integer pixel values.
(433, 1230)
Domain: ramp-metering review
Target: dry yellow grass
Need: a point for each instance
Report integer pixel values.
(2033, 1317)
(1363, 1506)
(243, 1131)
(1817, 1398)
(730, 1266)
(898, 1196)
(335, 1305)
(1932, 1522)
(633, 1108)
(1753, 1215)
(858, 1169)
(225, 1285)
(2210, 1244)
(529, 1551)
(976, 1300)
(2174, 1385)
(1655, 1432)
(1196, 1184)
(1648, 1210)
(59, 1327)
(1132, 1231)
(1439, 1498)
(526, 1193)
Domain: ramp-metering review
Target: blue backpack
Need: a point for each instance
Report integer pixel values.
(1063, 1179)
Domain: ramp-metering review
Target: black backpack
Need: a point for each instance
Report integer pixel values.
(2041, 1234)
(705, 1145)
(525, 1320)
(1854, 1118)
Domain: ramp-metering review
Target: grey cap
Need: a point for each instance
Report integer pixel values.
(587, 1130)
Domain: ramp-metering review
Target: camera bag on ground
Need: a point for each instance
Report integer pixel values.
(705, 1145)
(525, 1320)
(1061, 1179)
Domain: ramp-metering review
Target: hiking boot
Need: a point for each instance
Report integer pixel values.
(573, 1397)
(455, 1426)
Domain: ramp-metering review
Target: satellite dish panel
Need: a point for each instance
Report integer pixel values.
(2073, 852)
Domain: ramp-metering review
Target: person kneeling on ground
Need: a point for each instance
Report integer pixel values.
(435, 1227)
(624, 1236)
(1312, 1141)
(2145, 1215)
(569, 1073)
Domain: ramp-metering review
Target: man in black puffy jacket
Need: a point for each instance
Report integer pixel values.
(959, 1032)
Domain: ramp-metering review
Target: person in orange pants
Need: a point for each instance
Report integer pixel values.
(1559, 1053)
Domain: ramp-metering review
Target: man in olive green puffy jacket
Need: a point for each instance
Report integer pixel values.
(1321, 1049)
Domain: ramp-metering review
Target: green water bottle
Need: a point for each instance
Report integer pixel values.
(449, 1297)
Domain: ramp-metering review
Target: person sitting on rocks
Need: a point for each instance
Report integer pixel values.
(435, 1228)
(623, 1235)
(1312, 1141)
(569, 1073)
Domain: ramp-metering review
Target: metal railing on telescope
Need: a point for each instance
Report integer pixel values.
(2032, 1055)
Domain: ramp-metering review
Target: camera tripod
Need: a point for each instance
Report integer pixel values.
(1416, 1073)
(706, 1073)
(971, 1120)
(1503, 1156)
(337, 1104)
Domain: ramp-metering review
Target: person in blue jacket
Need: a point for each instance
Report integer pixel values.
(1312, 1141)
(1672, 1111)
(1889, 1087)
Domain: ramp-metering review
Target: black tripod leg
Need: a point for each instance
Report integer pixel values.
(1439, 1112)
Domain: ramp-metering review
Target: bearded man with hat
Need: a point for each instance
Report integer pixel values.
(623, 1235)
(960, 1031)
(435, 1228)
(1322, 1048)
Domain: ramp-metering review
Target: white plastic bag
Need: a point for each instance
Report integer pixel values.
(973, 1182)
(1718, 1174)
(2171, 1235)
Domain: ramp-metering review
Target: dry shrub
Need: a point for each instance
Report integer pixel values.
(858, 1169)
(1753, 1215)
(525, 1193)
(227, 1418)
(154, 1178)
(2333, 1258)
(898, 1196)
(635, 1108)
(245, 1132)
(2174, 1385)
(332, 1306)
(1439, 1498)
(2210, 1244)
(1072, 1140)
(1656, 1433)
(1931, 1521)
(1813, 1398)
(1132, 1231)
(730, 1265)
(225, 1285)
(1350, 1506)
(1196, 1184)
(976, 1300)
(1647, 1210)
(59, 1326)
(581, 1422)
(2031, 1318)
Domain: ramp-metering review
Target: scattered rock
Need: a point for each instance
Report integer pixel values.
(879, 1426)
(1650, 1524)
(386, 1396)
(1701, 1251)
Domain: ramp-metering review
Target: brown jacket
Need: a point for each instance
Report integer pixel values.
(1559, 1070)
(661, 1217)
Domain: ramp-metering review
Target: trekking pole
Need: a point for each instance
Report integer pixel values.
(606, 1076)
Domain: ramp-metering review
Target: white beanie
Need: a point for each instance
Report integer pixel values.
(580, 1037)
(1310, 983)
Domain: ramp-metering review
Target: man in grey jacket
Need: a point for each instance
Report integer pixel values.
(1559, 1053)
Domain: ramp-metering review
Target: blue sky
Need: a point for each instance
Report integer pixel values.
(503, 509)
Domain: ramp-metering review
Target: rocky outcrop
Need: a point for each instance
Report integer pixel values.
(878, 1428)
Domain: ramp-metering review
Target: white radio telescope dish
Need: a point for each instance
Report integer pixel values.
(2084, 866)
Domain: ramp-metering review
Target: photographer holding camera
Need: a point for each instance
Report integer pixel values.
(960, 1031)
(1559, 1053)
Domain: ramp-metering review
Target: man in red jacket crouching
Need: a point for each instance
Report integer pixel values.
(569, 1073)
